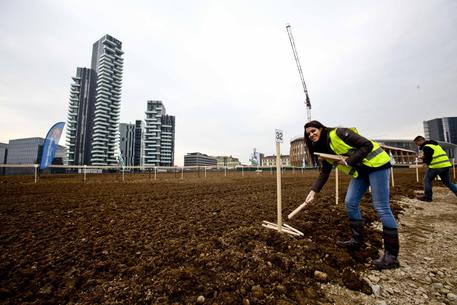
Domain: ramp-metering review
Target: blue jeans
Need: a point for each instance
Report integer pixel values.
(379, 182)
(444, 175)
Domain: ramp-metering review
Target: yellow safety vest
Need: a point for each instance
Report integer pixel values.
(439, 158)
(376, 158)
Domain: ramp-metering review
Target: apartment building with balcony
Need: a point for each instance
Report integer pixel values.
(94, 107)
(159, 136)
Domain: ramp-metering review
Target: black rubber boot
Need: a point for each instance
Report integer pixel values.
(391, 247)
(356, 242)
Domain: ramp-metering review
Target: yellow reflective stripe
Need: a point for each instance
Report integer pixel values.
(434, 157)
(444, 161)
(374, 153)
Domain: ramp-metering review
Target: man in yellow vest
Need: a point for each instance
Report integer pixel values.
(438, 164)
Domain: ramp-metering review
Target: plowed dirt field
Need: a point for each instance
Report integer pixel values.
(177, 241)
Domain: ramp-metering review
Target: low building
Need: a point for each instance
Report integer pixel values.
(227, 161)
(28, 151)
(297, 152)
(271, 160)
(199, 159)
(3, 156)
(405, 151)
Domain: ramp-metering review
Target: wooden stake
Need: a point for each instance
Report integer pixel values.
(205, 171)
(392, 174)
(182, 172)
(301, 206)
(36, 170)
(417, 170)
(155, 173)
(278, 186)
(336, 186)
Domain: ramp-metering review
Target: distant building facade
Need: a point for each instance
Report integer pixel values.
(127, 143)
(405, 151)
(28, 151)
(94, 107)
(199, 159)
(227, 161)
(3, 156)
(271, 160)
(297, 152)
(159, 136)
(3, 152)
(441, 129)
(138, 156)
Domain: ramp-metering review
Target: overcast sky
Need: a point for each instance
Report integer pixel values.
(226, 70)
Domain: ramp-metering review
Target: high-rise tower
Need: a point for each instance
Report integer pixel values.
(107, 63)
(80, 119)
(94, 107)
(441, 129)
(159, 135)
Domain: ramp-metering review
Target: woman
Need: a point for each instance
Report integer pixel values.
(369, 165)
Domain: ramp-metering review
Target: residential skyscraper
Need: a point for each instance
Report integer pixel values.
(107, 64)
(127, 142)
(167, 140)
(80, 119)
(138, 158)
(441, 129)
(159, 135)
(94, 107)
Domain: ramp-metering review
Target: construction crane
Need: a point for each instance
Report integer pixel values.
(292, 43)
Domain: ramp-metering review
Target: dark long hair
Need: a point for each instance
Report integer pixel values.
(319, 146)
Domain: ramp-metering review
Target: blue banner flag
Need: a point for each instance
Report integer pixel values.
(50, 144)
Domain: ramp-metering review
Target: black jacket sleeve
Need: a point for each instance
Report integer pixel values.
(324, 173)
(428, 154)
(362, 145)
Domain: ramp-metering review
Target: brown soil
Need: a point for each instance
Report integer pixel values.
(173, 241)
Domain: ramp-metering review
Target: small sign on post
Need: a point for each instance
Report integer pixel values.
(279, 226)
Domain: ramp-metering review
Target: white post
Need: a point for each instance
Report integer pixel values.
(182, 172)
(84, 171)
(392, 174)
(336, 186)
(155, 172)
(417, 170)
(36, 170)
(278, 186)
(225, 171)
(123, 170)
(205, 171)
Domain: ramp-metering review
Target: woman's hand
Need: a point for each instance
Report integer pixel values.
(310, 197)
(342, 161)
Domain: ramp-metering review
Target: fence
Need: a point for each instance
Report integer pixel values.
(178, 171)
